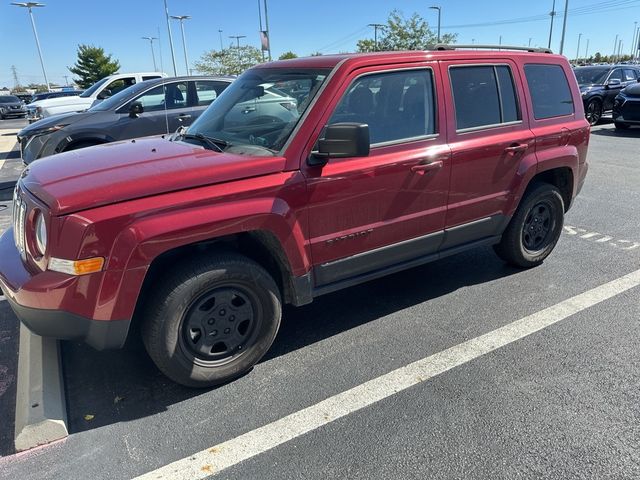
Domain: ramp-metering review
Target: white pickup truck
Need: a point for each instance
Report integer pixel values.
(97, 92)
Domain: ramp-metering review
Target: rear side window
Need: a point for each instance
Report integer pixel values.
(629, 75)
(207, 91)
(550, 92)
(483, 96)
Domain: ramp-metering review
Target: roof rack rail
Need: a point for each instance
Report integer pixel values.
(444, 46)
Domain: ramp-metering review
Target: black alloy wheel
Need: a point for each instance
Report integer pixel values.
(538, 227)
(594, 111)
(220, 324)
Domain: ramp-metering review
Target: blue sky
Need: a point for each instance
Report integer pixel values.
(302, 26)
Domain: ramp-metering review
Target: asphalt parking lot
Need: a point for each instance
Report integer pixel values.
(560, 403)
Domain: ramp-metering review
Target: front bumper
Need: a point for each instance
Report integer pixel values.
(627, 112)
(14, 113)
(38, 298)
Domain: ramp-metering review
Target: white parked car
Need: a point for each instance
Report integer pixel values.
(97, 92)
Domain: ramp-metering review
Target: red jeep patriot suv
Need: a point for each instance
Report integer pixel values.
(306, 176)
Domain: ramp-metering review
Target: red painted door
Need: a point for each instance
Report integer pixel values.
(490, 140)
(360, 204)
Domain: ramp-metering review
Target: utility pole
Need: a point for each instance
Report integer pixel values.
(261, 31)
(551, 14)
(564, 25)
(266, 28)
(173, 53)
(29, 6)
(238, 37)
(220, 33)
(578, 49)
(16, 82)
(66, 80)
(153, 55)
(615, 47)
(181, 19)
(529, 42)
(586, 51)
(375, 26)
(439, 14)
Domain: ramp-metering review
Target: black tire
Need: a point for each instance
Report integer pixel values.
(593, 111)
(621, 126)
(535, 228)
(175, 310)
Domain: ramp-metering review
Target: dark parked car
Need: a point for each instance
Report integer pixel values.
(11, 106)
(63, 93)
(626, 107)
(147, 108)
(600, 84)
(25, 97)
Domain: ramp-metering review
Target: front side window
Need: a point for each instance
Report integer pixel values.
(629, 75)
(483, 96)
(615, 75)
(259, 111)
(396, 105)
(119, 85)
(550, 92)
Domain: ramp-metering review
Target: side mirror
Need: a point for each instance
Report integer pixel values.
(342, 140)
(135, 109)
(614, 82)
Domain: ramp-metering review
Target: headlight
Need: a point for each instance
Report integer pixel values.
(44, 131)
(41, 234)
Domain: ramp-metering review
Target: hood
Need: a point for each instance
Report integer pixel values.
(632, 90)
(106, 174)
(52, 121)
(83, 102)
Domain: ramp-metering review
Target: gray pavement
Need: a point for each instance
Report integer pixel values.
(562, 403)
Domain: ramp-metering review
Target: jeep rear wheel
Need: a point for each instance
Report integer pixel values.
(211, 320)
(535, 228)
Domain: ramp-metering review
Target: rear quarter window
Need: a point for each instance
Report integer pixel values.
(550, 92)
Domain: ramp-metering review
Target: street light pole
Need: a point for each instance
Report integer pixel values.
(551, 14)
(220, 33)
(615, 47)
(635, 24)
(153, 55)
(439, 12)
(375, 26)
(578, 49)
(29, 6)
(181, 19)
(586, 51)
(564, 25)
(173, 53)
(238, 37)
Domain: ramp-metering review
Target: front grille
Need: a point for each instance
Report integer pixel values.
(19, 220)
(631, 110)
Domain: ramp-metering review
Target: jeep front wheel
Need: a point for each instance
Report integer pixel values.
(535, 228)
(211, 320)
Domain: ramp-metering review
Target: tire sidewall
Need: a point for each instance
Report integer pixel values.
(184, 366)
(553, 197)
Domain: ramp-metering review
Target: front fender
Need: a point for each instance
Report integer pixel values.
(148, 227)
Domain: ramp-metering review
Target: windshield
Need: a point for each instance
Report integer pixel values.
(122, 96)
(9, 99)
(591, 75)
(89, 91)
(261, 108)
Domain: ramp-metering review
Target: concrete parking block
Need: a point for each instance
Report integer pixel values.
(40, 405)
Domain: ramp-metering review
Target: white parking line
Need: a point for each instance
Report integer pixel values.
(1, 164)
(224, 455)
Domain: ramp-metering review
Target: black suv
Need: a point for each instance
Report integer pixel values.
(626, 107)
(600, 84)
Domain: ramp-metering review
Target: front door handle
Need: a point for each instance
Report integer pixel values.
(516, 148)
(423, 168)
(183, 116)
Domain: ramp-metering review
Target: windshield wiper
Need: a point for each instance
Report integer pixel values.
(214, 143)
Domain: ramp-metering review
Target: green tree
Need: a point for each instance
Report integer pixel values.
(402, 33)
(287, 56)
(230, 61)
(92, 65)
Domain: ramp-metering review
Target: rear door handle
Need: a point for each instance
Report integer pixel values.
(516, 148)
(423, 168)
(184, 116)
